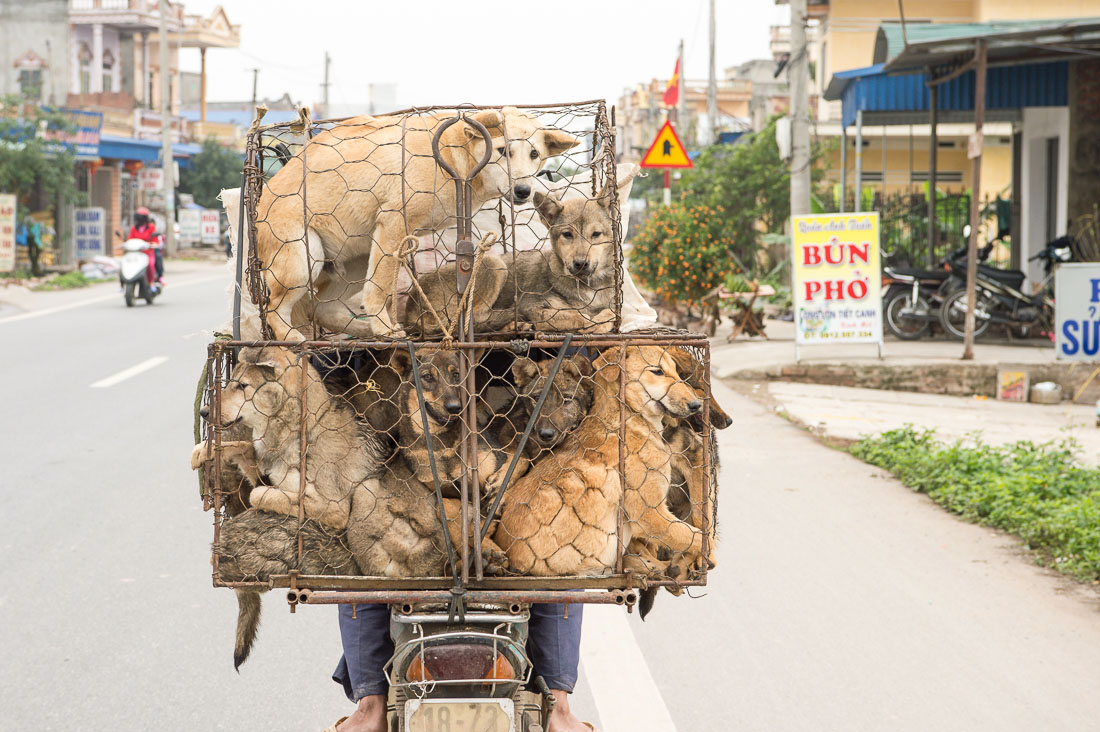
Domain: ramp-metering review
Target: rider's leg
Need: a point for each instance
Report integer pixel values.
(367, 648)
(554, 645)
(159, 256)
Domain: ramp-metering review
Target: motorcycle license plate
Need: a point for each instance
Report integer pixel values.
(459, 715)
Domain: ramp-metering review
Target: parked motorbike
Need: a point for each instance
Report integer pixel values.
(138, 272)
(999, 296)
(912, 298)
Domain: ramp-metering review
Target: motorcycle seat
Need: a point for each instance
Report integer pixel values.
(920, 274)
(1014, 278)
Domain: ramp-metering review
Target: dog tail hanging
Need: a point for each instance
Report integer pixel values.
(248, 622)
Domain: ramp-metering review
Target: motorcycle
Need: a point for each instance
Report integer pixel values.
(138, 272)
(912, 298)
(468, 672)
(999, 298)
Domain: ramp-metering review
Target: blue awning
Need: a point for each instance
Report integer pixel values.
(147, 151)
(1007, 87)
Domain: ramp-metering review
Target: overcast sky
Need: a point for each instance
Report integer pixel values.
(476, 51)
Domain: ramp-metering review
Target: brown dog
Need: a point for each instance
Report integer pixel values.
(372, 181)
(570, 288)
(561, 518)
(266, 394)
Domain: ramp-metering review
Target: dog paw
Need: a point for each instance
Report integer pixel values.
(198, 455)
(494, 562)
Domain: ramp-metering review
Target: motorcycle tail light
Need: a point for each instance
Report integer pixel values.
(417, 671)
(458, 661)
(501, 669)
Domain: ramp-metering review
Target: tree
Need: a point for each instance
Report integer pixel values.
(32, 159)
(732, 197)
(210, 171)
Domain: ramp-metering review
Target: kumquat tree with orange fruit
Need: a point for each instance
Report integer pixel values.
(681, 253)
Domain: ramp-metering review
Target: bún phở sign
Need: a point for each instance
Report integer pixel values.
(1077, 312)
(837, 278)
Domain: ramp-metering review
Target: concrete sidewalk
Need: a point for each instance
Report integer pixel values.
(923, 383)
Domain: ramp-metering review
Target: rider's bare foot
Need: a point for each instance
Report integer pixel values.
(369, 716)
(561, 719)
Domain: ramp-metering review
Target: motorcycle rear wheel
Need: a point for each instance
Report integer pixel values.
(953, 315)
(907, 329)
(129, 293)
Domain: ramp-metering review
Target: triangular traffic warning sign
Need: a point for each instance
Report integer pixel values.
(666, 151)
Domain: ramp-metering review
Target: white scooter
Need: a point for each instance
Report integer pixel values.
(138, 271)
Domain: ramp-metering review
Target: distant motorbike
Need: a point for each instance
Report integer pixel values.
(912, 298)
(999, 297)
(137, 272)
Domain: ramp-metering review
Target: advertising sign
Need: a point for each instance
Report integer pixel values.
(89, 232)
(190, 225)
(836, 278)
(1012, 385)
(1077, 312)
(7, 232)
(151, 179)
(210, 228)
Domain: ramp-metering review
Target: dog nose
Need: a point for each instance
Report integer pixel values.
(205, 412)
(729, 421)
(694, 406)
(579, 265)
(522, 191)
(548, 433)
(453, 407)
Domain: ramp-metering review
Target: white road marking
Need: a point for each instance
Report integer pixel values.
(132, 371)
(626, 696)
(94, 300)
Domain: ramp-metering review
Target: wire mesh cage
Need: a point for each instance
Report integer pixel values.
(442, 388)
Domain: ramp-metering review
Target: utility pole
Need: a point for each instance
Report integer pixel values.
(798, 76)
(974, 152)
(712, 88)
(255, 78)
(324, 87)
(166, 135)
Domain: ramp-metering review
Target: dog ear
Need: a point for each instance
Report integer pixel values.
(400, 361)
(271, 356)
(491, 118)
(524, 370)
(548, 207)
(558, 142)
(604, 198)
(578, 365)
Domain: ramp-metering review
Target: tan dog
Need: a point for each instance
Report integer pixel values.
(266, 395)
(569, 288)
(370, 182)
(561, 518)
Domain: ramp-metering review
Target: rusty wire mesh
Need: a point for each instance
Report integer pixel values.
(360, 438)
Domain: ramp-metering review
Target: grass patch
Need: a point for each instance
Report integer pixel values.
(69, 281)
(1039, 492)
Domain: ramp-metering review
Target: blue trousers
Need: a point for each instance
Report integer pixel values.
(553, 644)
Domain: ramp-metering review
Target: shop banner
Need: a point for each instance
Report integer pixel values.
(190, 225)
(1076, 312)
(837, 279)
(89, 232)
(7, 232)
(210, 228)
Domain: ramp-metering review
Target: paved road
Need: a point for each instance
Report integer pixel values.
(842, 600)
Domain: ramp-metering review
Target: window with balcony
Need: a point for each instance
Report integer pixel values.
(108, 71)
(84, 57)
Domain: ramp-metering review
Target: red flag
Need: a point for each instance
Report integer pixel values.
(672, 91)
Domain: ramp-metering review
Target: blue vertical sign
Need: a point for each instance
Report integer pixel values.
(89, 232)
(1077, 312)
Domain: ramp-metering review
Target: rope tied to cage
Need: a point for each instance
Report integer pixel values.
(409, 246)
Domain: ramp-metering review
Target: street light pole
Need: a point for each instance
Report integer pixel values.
(166, 136)
(712, 89)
